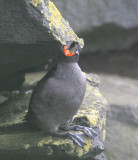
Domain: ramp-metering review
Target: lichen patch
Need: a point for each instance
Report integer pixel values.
(44, 141)
(36, 2)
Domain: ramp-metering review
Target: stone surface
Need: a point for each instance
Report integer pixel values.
(33, 21)
(19, 141)
(32, 32)
(104, 24)
(123, 63)
(96, 13)
(122, 118)
(121, 142)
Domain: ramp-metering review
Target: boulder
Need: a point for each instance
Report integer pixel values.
(122, 117)
(104, 24)
(32, 32)
(18, 140)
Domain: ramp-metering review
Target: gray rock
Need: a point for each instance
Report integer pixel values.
(3, 99)
(104, 24)
(96, 13)
(121, 140)
(31, 33)
(32, 21)
(122, 118)
(118, 62)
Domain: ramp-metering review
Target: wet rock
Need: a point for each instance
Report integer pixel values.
(104, 24)
(20, 141)
(32, 32)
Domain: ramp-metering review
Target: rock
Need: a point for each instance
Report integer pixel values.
(11, 81)
(3, 99)
(119, 91)
(104, 24)
(122, 117)
(121, 142)
(18, 140)
(34, 21)
(123, 63)
(32, 32)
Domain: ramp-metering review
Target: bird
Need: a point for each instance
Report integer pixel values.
(58, 96)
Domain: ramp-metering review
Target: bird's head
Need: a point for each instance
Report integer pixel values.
(71, 51)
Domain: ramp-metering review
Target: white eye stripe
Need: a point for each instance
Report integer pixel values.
(66, 52)
(77, 52)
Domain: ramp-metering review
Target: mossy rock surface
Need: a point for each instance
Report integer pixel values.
(20, 141)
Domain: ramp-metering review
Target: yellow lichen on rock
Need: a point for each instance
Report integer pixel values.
(79, 151)
(97, 93)
(50, 151)
(93, 119)
(104, 134)
(59, 26)
(44, 141)
(70, 150)
(87, 146)
(89, 90)
(102, 122)
(35, 2)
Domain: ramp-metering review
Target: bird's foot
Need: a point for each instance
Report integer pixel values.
(87, 130)
(75, 137)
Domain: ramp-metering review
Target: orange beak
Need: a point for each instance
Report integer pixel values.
(67, 52)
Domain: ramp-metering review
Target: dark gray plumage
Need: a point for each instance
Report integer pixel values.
(58, 96)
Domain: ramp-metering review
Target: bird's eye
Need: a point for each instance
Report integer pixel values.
(77, 52)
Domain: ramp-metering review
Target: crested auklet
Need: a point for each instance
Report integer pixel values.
(59, 95)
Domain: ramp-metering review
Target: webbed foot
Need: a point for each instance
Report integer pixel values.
(75, 137)
(87, 130)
